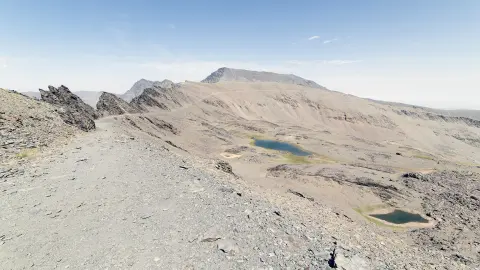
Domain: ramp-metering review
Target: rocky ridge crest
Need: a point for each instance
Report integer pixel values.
(70, 107)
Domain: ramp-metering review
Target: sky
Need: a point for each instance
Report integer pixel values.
(423, 52)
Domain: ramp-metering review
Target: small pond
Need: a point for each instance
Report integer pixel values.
(281, 146)
(400, 217)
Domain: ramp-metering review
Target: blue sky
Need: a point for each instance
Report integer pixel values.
(423, 52)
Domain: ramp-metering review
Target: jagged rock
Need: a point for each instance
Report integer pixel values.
(110, 104)
(147, 98)
(241, 75)
(224, 166)
(71, 108)
(415, 175)
(139, 87)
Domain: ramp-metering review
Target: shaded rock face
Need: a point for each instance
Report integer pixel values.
(148, 98)
(71, 108)
(242, 75)
(110, 104)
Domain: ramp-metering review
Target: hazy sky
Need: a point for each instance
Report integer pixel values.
(424, 52)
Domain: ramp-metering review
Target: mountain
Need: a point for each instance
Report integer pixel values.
(472, 114)
(139, 86)
(225, 74)
(33, 94)
(89, 97)
(110, 104)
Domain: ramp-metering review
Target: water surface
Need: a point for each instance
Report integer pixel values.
(281, 146)
(400, 217)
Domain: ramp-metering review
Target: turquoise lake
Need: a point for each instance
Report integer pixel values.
(400, 217)
(281, 146)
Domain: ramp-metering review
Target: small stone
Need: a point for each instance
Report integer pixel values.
(156, 259)
(227, 246)
(211, 239)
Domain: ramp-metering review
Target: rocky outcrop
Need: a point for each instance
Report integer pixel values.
(160, 98)
(242, 75)
(139, 87)
(110, 104)
(148, 98)
(70, 107)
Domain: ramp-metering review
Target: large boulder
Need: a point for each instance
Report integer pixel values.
(110, 104)
(70, 107)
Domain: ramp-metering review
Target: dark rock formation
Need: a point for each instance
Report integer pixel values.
(224, 166)
(110, 104)
(148, 98)
(415, 175)
(71, 108)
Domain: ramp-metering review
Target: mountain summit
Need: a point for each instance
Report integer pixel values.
(242, 75)
(142, 84)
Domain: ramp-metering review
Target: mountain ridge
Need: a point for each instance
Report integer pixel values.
(142, 84)
(243, 75)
